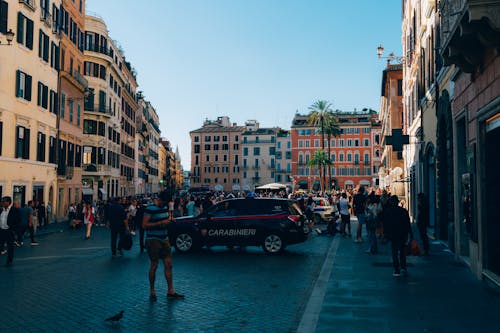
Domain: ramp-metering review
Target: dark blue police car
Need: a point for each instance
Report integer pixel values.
(270, 223)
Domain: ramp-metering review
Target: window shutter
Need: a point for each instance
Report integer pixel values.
(29, 34)
(57, 57)
(18, 82)
(40, 43)
(102, 101)
(46, 48)
(18, 143)
(45, 97)
(4, 9)
(39, 96)
(26, 151)
(27, 88)
(20, 28)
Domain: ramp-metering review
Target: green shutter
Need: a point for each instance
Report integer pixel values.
(18, 79)
(39, 95)
(4, 10)
(27, 88)
(29, 34)
(57, 57)
(20, 28)
(45, 97)
(102, 101)
(26, 150)
(46, 48)
(40, 43)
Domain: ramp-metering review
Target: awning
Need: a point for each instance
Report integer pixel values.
(349, 182)
(236, 187)
(87, 191)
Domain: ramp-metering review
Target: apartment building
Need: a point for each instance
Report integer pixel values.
(391, 118)
(73, 87)
(142, 139)
(153, 140)
(216, 155)
(283, 172)
(258, 155)
(350, 153)
(101, 175)
(28, 100)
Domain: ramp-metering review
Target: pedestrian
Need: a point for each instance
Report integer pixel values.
(423, 221)
(118, 225)
(197, 207)
(155, 222)
(42, 215)
(345, 217)
(190, 206)
(132, 212)
(359, 206)
(9, 220)
(396, 229)
(49, 213)
(27, 211)
(88, 218)
(21, 227)
(139, 215)
(372, 222)
(72, 215)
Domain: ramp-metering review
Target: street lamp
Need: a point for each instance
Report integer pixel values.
(10, 37)
(391, 57)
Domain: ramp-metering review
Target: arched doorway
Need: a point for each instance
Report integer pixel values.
(444, 167)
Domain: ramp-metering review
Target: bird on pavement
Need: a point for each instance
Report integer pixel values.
(116, 318)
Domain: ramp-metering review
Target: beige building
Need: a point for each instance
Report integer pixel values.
(72, 86)
(28, 101)
(163, 151)
(141, 139)
(283, 172)
(258, 155)
(153, 130)
(101, 176)
(216, 157)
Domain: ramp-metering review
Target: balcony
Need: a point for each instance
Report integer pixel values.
(46, 17)
(97, 169)
(468, 28)
(99, 109)
(76, 79)
(29, 3)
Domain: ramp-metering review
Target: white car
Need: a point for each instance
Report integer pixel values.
(323, 211)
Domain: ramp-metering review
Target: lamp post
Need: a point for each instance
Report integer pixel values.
(9, 35)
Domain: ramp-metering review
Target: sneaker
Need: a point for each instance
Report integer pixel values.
(396, 274)
(318, 231)
(34, 243)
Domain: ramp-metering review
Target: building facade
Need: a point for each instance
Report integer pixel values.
(28, 100)
(471, 111)
(73, 87)
(153, 140)
(283, 172)
(216, 155)
(258, 154)
(350, 153)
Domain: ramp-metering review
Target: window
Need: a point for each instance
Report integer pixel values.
(40, 147)
(89, 126)
(196, 149)
(225, 146)
(101, 129)
(4, 9)
(207, 147)
(78, 156)
(52, 150)
(63, 104)
(196, 139)
(78, 114)
(400, 87)
(349, 157)
(366, 142)
(224, 138)
(272, 150)
(341, 157)
(207, 138)
(24, 31)
(216, 138)
(288, 155)
(71, 154)
(216, 146)
(43, 95)
(43, 46)
(70, 103)
(22, 142)
(23, 85)
(256, 151)
(53, 102)
(245, 151)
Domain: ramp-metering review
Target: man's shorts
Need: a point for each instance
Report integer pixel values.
(158, 249)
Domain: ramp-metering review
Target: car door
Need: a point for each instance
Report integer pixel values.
(218, 226)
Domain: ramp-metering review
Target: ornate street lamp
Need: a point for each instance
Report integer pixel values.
(9, 35)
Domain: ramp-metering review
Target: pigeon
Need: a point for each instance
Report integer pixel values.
(116, 317)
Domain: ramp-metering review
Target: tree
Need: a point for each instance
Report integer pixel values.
(320, 160)
(331, 128)
(320, 114)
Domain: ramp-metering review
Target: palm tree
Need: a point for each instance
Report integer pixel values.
(320, 160)
(331, 128)
(319, 115)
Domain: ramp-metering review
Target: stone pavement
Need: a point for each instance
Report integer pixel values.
(361, 295)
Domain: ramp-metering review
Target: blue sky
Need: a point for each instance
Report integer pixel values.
(251, 59)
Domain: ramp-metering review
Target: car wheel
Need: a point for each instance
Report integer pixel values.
(184, 242)
(273, 243)
(318, 219)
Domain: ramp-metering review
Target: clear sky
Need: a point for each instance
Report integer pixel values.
(251, 59)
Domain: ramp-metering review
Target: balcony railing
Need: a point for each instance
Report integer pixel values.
(99, 109)
(79, 77)
(29, 3)
(46, 17)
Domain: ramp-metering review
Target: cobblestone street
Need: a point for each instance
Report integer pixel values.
(69, 284)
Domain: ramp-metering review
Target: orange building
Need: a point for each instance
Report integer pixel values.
(351, 153)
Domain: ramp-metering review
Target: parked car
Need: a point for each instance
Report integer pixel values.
(270, 223)
(323, 211)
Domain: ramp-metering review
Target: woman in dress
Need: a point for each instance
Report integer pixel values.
(88, 218)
